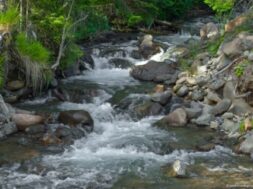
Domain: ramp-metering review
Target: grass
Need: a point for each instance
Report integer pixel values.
(35, 60)
(9, 18)
(32, 49)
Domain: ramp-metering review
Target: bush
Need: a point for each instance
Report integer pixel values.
(134, 20)
(220, 6)
(72, 54)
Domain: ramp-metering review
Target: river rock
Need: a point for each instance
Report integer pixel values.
(183, 91)
(24, 121)
(120, 63)
(147, 47)
(162, 98)
(214, 125)
(221, 107)
(204, 120)
(74, 118)
(86, 62)
(212, 97)
(148, 109)
(68, 135)
(237, 46)
(178, 169)
(247, 145)
(197, 95)
(50, 139)
(153, 71)
(7, 129)
(15, 85)
(229, 126)
(209, 31)
(35, 129)
(175, 53)
(112, 52)
(216, 84)
(202, 80)
(240, 107)
(177, 118)
(193, 112)
(136, 54)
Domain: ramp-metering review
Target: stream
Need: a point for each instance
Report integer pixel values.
(124, 152)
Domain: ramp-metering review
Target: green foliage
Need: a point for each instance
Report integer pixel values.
(184, 65)
(96, 22)
(240, 68)
(220, 6)
(9, 18)
(173, 8)
(72, 54)
(35, 60)
(213, 46)
(32, 49)
(242, 127)
(134, 20)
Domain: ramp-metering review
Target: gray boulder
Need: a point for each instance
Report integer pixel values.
(177, 118)
(162, 98)
(247, 145)
(153, 71)
(7, 129)
(76, 118)
(221, 107)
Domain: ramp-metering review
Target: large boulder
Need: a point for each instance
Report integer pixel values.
(76, 118)
(147, 47)
(209, 31)
(221, 107)
(177, 118)
(237, 46)
(154, 71)
(24, 121)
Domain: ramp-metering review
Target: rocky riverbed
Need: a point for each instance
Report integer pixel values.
(132, 118)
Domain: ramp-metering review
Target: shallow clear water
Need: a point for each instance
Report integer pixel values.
(121, 152)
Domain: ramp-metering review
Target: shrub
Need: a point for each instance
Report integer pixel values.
(134, 20)
(72, 54)
(220, 6)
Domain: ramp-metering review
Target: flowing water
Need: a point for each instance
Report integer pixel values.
(123, 152)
